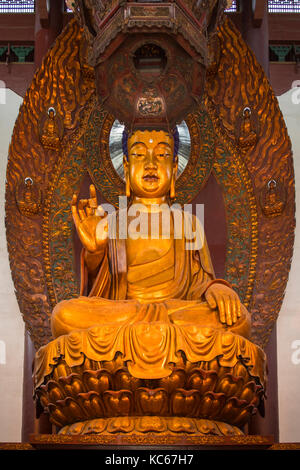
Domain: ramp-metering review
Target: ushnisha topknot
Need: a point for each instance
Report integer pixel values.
(125, 136)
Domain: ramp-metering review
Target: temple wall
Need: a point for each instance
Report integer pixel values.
(12, 327)
(288, 325)
(11, 323)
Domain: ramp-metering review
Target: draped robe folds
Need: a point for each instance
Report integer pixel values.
(149, 322)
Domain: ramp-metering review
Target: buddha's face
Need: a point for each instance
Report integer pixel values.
(151, 164)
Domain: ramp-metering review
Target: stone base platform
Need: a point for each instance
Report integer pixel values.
(60, 442)
(150, 442)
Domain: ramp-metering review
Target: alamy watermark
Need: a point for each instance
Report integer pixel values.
(296, 353)
(296, 92)
(2, 352)
(2, 92)
(157, 221)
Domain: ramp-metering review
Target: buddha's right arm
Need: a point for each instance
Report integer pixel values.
(95, 276)
(93, 261)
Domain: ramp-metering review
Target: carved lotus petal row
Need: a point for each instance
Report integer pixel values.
(196, 393)
(146, 424)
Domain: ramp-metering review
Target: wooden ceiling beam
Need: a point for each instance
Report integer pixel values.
(259, 9)
(17, 28)
(284, 27)
(42, 9)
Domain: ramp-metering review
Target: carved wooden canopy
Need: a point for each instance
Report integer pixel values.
(149, 57)
(238, 138)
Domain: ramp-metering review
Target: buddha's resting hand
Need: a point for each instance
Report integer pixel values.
(92, 228)
(226, 301)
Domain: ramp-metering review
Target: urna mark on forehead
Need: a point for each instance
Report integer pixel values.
(150, 138)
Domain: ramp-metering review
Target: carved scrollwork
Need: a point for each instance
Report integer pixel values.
(241, 83)
(27, 234)
(214, 54)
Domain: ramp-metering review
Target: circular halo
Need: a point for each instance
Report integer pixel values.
(116, 152)
(51, 109)
(28, 180)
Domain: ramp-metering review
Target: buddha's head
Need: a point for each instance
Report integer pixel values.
(51, 113)
(150, 163)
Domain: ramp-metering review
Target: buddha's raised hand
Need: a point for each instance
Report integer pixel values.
(92, 229)
(226, 301)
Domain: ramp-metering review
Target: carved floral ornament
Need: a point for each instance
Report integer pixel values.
(71, 4)
(217, 399)
(150, 94)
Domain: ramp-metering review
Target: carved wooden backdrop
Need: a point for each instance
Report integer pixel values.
(259, 213)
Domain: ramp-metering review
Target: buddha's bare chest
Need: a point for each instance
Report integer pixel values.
(142, 251)
(151, 240)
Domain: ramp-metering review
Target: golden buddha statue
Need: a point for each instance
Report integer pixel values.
(157, 342)
(153, 346)
(161, 275)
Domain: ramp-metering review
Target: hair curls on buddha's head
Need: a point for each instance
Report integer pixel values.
(174, 133)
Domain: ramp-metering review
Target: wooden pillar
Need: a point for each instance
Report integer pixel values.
(56, 20)
(30, 424)
(269, 424)
(49, 18)
(28, 415)
(255, 29)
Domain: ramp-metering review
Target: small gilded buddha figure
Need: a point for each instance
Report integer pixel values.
(51, 134)
(272, 200)
(149, 296)
(28, 198)
(247, 136)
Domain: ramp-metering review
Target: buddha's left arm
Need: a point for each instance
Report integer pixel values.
(218, 293)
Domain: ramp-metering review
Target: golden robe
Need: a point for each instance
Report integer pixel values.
(129, 311)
